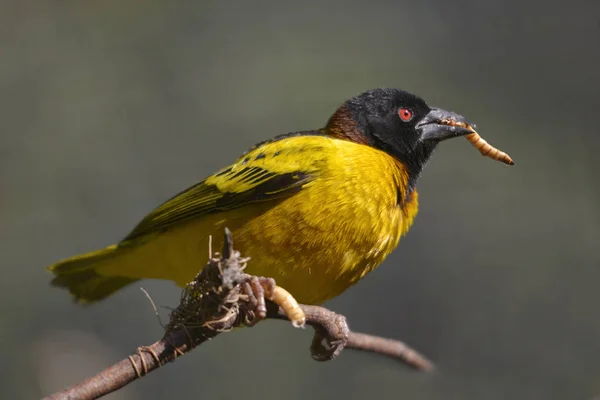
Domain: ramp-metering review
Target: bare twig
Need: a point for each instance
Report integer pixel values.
(391, 348)
(213, 303)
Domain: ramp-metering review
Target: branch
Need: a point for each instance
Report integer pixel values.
(222, 297)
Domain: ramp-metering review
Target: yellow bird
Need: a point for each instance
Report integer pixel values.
(316, 210)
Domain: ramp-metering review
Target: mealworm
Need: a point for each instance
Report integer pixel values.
(288, 304)
(486, 149)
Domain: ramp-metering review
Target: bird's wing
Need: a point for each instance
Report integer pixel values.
(270, 171)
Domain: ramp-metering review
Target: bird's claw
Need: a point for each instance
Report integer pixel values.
(329, 341)
(254, 291)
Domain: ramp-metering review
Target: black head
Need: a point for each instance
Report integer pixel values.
(397, 122)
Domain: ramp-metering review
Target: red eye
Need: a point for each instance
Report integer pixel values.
(405, 114)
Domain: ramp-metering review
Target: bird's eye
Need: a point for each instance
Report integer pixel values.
(405, 114)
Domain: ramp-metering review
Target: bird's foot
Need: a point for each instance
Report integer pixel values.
(256, 289)
(330, 339)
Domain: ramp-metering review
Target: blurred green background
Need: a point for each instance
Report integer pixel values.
(108, 108)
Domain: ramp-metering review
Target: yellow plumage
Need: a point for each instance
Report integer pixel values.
(314, 212)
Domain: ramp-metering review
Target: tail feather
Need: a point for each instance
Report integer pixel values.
(81, 276)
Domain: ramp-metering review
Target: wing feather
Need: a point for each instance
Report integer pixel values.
(259, 175)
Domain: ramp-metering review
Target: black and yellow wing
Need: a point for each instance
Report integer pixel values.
(269, 171)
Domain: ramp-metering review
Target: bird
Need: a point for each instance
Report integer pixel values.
(317, 210)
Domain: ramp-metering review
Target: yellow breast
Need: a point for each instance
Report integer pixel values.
(337, 229)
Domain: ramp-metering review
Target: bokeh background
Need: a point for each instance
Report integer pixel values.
(108, 108)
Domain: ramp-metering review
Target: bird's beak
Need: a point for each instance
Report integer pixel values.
(440, 125)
